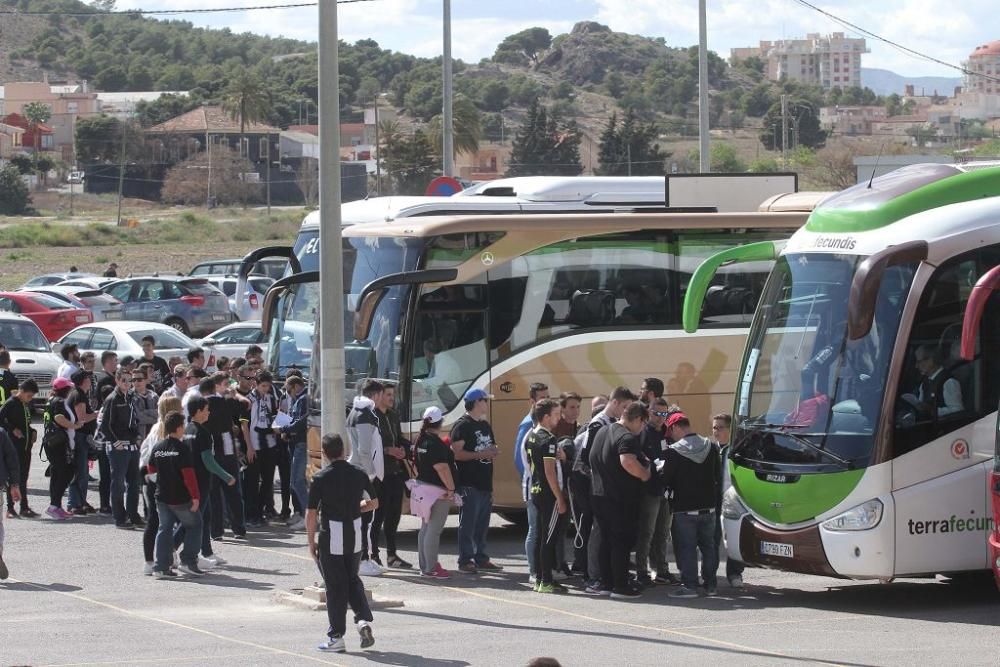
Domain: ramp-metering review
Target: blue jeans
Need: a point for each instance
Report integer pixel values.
(531, 539)
(170, 516)
(124, 483)
(693, 533)
(205, 512)
(473, 522)
(298, 473)
(81, 468)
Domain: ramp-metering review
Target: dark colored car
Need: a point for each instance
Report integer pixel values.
(190, 305)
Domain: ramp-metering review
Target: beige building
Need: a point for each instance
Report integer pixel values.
(11, 138)
(980, 96)
(851, 120)
(828, 61)
(68, 102)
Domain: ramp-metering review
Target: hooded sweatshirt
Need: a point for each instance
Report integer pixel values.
(366, 442)
(692, 469)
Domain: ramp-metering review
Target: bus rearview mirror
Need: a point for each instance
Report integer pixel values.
(868, 279)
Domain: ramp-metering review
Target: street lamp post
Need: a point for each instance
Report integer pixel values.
(447, 122)
(705, 163)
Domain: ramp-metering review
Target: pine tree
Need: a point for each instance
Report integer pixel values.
(544, 146)
(630, 148)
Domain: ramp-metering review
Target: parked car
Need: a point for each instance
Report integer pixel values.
(232, 340)
(253, 300)
(190, 305)
(54, 279)
(125, 338)
(30, 354)
(52, 316)
(272, 268)
(102, 306)
(96, 282)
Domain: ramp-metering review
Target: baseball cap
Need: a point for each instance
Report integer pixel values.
(126, 360)
(433, 414)
(475, 395)
(61, 383)
(674, 418)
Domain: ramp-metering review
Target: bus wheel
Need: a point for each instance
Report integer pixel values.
(978, 579)
(516, 517)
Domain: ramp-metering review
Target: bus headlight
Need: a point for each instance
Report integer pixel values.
(863, 517)
(732, 507)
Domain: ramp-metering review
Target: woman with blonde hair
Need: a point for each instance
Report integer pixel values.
(166, 405)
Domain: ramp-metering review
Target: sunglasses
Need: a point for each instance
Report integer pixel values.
(661, 414)
(246, 377)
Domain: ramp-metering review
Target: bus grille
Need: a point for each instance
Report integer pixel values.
(43, 379)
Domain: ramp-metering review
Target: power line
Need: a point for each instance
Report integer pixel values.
(895, 45)
(168, 12)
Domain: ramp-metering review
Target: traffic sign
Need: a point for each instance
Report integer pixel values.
(443, 186)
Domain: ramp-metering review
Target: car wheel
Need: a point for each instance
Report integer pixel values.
(516, 517)
(179, 325)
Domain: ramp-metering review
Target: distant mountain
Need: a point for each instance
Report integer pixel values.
(884, 82)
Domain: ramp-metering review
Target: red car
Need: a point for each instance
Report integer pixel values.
(55, 318)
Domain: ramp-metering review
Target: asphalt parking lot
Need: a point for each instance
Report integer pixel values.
(77, 596)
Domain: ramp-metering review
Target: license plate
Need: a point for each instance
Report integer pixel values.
(42, 394)
(82, 318)
(219, 318)
(112, 314)
(777, 549)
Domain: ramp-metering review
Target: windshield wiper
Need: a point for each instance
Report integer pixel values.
(805, 441)
(747, 423)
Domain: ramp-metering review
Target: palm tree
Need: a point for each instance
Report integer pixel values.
(37, 114)
(247, 100)
(465, 121)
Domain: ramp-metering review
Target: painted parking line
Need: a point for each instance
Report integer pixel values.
(154, 661)
(680, 632)
(182, 626)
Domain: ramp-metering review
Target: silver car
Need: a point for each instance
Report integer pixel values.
(125, 338)
(102, 306)
(30, 354)
(232, 340)
(253, 300)
(54, 279)
(190, 305)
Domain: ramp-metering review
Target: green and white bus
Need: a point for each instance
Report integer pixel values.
(862, 440)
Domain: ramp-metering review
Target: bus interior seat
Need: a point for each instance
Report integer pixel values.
(592, 308)
(728, 300)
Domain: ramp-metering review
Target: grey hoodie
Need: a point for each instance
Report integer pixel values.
(366, 442)
(693, 447)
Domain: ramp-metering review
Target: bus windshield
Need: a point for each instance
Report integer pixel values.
(808, 395)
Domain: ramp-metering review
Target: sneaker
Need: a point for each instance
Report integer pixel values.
(566, 570)
(711, 591)
(54, 512)
(4, 573)
(104, 511)
(437, 573)
(736, 581)
(147, 569)
(667, 579)
(597, 590)
(124, 525)
(398, 563)
(683, 593)
(207, 563)
(489, 566)
(378, 561)
(644, 581)
(333, 645)
(284, 515)
(11, 514)
(369, 568)
(164, 574)
(89, 508)
(551, 588)
(28, 513)
(533, 580)
(298, 523)
(78, 511)
(627, 593)
(367, 637)
(559, 576)
(137, 521)
(239, 536)
(468, 568)
(191, 570)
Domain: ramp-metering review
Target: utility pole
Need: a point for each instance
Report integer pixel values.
(704, 158)
(784, 132)
(267, 172)
(331, 282)
(121, 172)
(628, 155)
(378, 151)
(447, 122)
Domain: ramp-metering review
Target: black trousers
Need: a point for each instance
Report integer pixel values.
(583, 516)
(548, 536)
(390, 508)
(250, 483)
(618, 524)
(60, 474)
(267, 463)
(343, 587)
(152, 521)
(285, 470)
(104, 486)
(233, 499)
(24, 464)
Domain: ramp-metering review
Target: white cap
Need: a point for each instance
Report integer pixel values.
(433, 414)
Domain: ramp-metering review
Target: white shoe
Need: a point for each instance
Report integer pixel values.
(365, 630)
(298, 523)
(369, 568)
(333, 645)
(147, 569)
(206, 563)
(532, 579)
(177, 559)
(217, 559)
(736, 582)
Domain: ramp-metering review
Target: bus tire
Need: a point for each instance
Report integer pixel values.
(976, 579)
(516, 517)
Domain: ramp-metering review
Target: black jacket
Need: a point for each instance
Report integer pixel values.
(693, 473)
(118, 418)
(9, 468)
(16, 415)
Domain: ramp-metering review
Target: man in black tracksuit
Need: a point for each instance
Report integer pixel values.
(390, 500)
(15, 418)
(546, 492)
(220, 424)
(340, 492)
(8, 382)
(120, 429)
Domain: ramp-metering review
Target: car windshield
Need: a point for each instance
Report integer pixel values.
(164, 338)
(22, 337)
(808, 395)
(260, 285)
(47, 302)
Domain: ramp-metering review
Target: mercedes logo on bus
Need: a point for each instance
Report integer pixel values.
(487, 258)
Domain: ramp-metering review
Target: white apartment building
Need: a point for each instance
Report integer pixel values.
(828, 61)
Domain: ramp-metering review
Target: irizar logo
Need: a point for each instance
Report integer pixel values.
(835, 243)
(777, 479)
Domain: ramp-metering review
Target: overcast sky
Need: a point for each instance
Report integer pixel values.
(948, 31)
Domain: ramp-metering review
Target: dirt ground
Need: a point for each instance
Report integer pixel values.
(19, 264)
